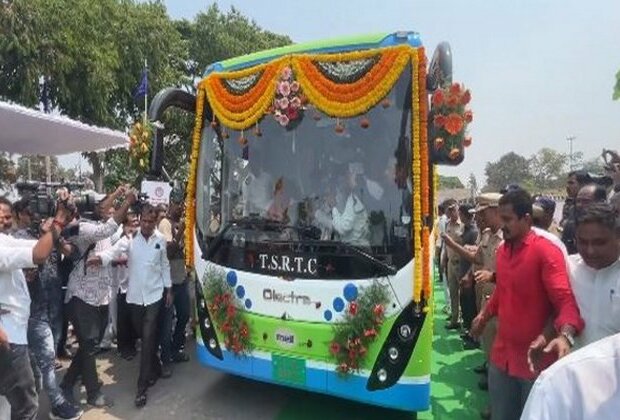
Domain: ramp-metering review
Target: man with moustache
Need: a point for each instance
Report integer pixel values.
(530, 269)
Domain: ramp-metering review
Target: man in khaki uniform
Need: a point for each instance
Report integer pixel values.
(454, 229)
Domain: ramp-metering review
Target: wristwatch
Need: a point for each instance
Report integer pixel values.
(569, 337)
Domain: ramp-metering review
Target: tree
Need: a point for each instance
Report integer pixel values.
(33, 168)
(510, 168)
(8, 173)
(616, 94)
(594, 166)
(547, 168)
(450, 182)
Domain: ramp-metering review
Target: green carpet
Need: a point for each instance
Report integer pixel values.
(454, 390)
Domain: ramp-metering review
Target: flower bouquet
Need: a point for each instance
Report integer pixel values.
(140, 141)
(360, 327)
(448, 121)
(288, 105)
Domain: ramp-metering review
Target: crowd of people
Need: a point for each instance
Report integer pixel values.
(117, 278)
(528, 291)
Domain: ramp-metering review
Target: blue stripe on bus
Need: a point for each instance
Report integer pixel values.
(407, 397)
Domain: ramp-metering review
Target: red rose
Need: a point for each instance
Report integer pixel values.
(439, 120)
(244, 331)
(353, 308)
(437, 98)
(343, 367)
(292, 113)
(352, 355)
(466, 97)
(370, 333)
(231, 310)
(469, 116)
(334, 348)
(455, 88)
(378, 310)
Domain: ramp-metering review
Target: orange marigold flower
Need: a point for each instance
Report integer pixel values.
(455, 88)
(439, 120)
(452, 101)
(469, 116)
(466, 97)
(438, 98)
(454, 154)
(467, 142)
(454, 123)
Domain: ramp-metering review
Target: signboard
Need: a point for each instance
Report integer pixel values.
(157, 192)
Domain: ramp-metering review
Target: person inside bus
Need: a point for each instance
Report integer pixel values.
(349, 215)
(257, 185)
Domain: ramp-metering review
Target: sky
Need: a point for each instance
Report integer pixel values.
(539, 70)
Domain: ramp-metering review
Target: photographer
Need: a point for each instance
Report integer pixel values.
(88, 295)
(16, 377)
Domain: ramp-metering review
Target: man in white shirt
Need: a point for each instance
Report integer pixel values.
(350, 219)
(16, 377)
(583, 385)
(595, 272)
(149, 281)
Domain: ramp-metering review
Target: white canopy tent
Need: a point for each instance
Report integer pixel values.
(27, 131)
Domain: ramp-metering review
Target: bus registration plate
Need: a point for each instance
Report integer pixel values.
(289, 370)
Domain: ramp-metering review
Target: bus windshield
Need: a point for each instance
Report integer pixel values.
(338, 189)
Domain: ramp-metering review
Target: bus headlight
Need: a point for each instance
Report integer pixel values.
(212, 343)
(207, 323)
(382, 375)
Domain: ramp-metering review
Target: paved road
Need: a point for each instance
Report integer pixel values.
(197, 392)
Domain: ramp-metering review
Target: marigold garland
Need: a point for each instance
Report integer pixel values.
(319, 89)
(425, 174)
(190, 200)
(416, 170)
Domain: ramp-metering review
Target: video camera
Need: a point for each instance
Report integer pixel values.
(42, 200)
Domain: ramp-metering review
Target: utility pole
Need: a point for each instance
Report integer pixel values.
(570, 140)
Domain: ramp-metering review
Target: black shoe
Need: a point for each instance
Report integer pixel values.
(483, 384)
(166, 370)
(180, 357)
(452, 326)
(66, 411)
(482, 369)
(67, 392)
(470, 344)
(100, 401)
(140, 400)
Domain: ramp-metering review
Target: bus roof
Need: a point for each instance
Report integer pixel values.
(359, 42)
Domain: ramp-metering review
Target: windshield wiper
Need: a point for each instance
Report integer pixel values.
(390, 269)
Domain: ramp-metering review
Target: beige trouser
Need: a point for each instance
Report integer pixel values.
(484, 290)
(454, 275)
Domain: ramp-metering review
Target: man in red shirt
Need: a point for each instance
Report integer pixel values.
(532, 287)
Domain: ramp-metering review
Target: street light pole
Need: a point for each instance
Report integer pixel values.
(570, 140)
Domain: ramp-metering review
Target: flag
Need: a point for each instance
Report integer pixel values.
(142, 89)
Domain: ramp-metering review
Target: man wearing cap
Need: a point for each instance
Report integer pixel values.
(454, 230)
(543, 211)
